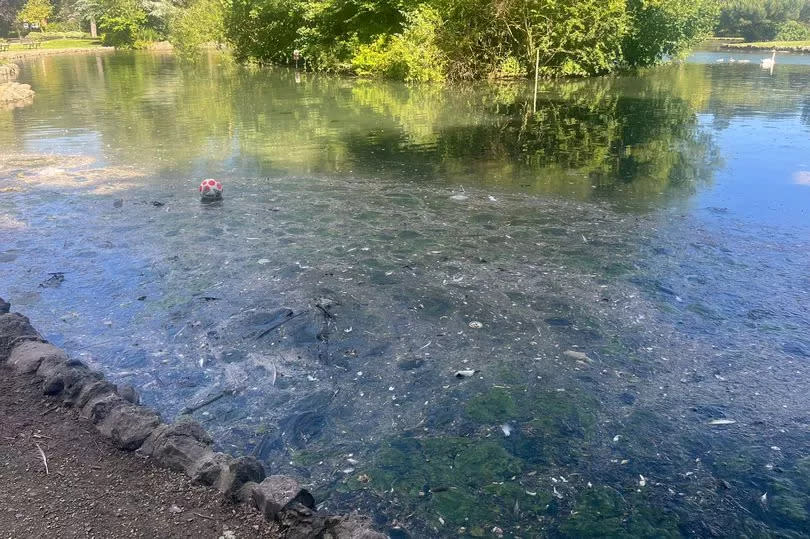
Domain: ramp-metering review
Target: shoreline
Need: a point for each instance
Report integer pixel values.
(31, 367)
(755, 47)
(34, 53)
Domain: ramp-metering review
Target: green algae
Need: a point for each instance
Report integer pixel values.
(788, 502)
(452, 477)
(603, 512)
(494, 406)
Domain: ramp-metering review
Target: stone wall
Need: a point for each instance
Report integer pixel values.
(184, 446)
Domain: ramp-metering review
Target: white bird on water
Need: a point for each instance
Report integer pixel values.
(768, 63)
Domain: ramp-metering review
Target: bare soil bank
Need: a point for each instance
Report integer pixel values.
(92, 488)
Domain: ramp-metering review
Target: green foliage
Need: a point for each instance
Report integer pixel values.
(263, 30)
(66, 29)
(121, 23)
(202, 22)
(760, 20)
(430, 40)
(412, 56)
(666, 28)
(793, 31)
(36, 11)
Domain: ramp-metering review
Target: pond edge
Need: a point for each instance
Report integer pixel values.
(183, 446)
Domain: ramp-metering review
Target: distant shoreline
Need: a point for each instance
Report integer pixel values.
(33, 53)
(779, 46)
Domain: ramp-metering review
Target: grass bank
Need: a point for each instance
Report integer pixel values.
(52, 44)
(787, 46)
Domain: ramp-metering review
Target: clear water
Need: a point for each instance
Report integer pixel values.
(375, 239)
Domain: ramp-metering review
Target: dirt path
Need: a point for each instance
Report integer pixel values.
(93, 489)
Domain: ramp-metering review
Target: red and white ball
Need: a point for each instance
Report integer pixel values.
(211, 189)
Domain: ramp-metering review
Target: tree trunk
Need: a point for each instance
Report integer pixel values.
(93, 31)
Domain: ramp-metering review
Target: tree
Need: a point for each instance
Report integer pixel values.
(760, 20)
(36, 11)
(120, 22)
(8, 13)
(90, 10)
(202, 22)
(663, 29)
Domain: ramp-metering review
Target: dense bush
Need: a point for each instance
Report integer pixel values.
(793, 31)
(191, 28)
(412, 56)
(761, 20)
(121, 23)
(435, 39)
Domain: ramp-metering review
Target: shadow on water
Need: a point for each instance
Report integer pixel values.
(377, 239)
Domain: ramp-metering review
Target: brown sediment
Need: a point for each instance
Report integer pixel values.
(80, 457)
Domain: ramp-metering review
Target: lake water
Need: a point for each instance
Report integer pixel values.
(620, 280)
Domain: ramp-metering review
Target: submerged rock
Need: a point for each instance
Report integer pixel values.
(14, 94)
(9, 71)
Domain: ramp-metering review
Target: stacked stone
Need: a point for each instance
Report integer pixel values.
(184, 446)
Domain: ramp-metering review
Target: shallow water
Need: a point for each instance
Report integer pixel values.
(375, 239)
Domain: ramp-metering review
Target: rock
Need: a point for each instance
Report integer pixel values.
(129, 425)
(5, 306)
(300, 522)
(16, 94)
(179, 446)
(350, 527)
(9, 71)
(63, 375)
(15, 329)
(239, 472)
(98, 408)
(278, 492)
(128, 393)
(245, 494)
(91, 390)
(27, 357)
(578, 356)
(209, 468)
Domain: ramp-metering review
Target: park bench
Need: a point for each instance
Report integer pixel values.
(32, 44)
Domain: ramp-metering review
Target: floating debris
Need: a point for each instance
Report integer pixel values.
(475, 324)
(579, 356)
(642, 481)
(466, 373)
(722, 422)
(507, 429)
(764, 499)
(459, 197)
(263, 261)
(617, 438)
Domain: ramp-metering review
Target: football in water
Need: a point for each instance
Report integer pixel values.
(211, 190)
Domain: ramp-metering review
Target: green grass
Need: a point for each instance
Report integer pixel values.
(767, 45)
(61, 44)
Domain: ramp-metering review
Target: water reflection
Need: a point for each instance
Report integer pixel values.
(377, 238)
(626, 139)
